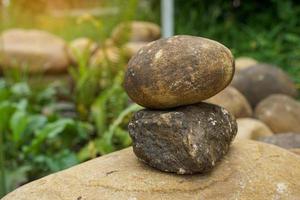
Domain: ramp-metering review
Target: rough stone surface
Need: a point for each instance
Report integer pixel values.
(244, 62)
(284, 140)
(280, 112)
(250, 170)
(249, 128)
(34, 51)
(259, 81)
(185, 140)
(135, 31)
(179, 70)
(233, 101)
(81, 47)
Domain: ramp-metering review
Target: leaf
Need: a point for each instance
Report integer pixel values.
(17, 176)
(51, 130)
(35, 122)
(59, 161)
(20, 89)
(87, 152)
(123, 137)
(6, 111)
(18, 124)
(104, 144)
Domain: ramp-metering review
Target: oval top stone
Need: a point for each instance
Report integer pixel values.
(179, 70)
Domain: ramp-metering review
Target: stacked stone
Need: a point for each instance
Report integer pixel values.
(177, 132)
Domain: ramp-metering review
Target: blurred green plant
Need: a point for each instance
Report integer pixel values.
(265, 30)
(34, 142)
(41, 133)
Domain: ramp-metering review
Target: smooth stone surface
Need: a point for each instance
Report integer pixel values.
(186, 140)
(251, 170)
(81, 48)
(244, 62)
(284, 140)
(33, 51)
(179, 70)
(233, 101)
(131, 48)
(249, 128)
(259, 81)
(295, 151)
(135, 31)
(280, 112)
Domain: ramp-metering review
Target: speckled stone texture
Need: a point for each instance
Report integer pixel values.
(250, 171)
(179, 70)
(184, 140)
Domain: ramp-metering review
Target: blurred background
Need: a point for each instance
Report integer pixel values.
(63, 61)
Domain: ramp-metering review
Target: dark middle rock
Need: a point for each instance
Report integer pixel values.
(185, 140)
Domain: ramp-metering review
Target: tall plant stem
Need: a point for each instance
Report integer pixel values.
(2, 172)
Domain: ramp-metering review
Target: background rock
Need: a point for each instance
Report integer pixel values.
(259, 81)
(295, 151)
(251, 170)
(280, 112)
(244, 62)
(180, 70)
(249, 128)
(131, 48)
(34, 51)
(185, 140)
(284, 140)
(233, 101)
(135, 31)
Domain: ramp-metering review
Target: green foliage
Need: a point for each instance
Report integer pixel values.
(36, 136)
(34, 144)
(265, 30)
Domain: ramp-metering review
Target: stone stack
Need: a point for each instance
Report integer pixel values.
(177, 132)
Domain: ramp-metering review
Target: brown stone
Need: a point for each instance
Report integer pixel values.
(249, 128)
(283, 140)
(131, 48)
(135, 31)
(259, 81)
(33, 51)
(179, 70)
(233, 101)
(185, 140)
(280, 112)
(251, 170)
(81, 48)
(295, 151)
(244, 62)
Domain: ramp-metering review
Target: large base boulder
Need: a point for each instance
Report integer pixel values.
(251, 170)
